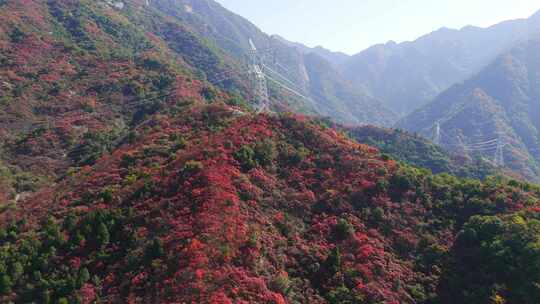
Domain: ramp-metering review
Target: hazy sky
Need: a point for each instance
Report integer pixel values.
(352, 25)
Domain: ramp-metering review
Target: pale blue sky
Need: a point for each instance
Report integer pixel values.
(352, 25)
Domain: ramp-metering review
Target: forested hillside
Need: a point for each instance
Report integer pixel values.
(202, 205)
(130, 174)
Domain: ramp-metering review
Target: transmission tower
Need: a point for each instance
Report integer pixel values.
(437, 133)
(259, 79)
(499, 153)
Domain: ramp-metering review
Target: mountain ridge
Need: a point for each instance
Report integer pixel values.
(433, 62)
(335, 58)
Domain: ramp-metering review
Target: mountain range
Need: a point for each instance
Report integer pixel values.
(408, 75)
(501, 102)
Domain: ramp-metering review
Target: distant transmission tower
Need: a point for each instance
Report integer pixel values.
(259, 79)
(499, 153)
(437, 134)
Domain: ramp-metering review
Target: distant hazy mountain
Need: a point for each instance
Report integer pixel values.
(335, 58)
(502, 100)
(408, 75)
(328, 96)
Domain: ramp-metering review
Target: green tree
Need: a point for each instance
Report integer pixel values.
(265, 152)
(103, 236)
(17, 271)
(155, 250)
(342, 230)
(5, 284)
(191, 167)
(84, 276)
(63, 301)
(342, 295)
(333, 262)
(246, 157)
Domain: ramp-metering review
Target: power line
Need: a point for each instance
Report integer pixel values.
(287, 88)
(499, 154)
(280, 76)
(496, 144)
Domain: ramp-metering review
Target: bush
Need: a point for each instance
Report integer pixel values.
(151, 64)
(333, 261)
(103, 236)
(237, 101)
(179, 144)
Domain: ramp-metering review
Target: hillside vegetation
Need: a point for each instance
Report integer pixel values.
(127, 177)
(204, 206)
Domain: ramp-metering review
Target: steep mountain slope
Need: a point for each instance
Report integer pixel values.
(76, 76)
(408, 75)
(502, 102)
(232, 33)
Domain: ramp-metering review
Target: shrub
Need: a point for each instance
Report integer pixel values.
(237, 101)
(179, 144)
(333, 261)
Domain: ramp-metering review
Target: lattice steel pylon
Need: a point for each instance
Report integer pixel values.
(437, 133)
(499, 153)
(259, 79)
